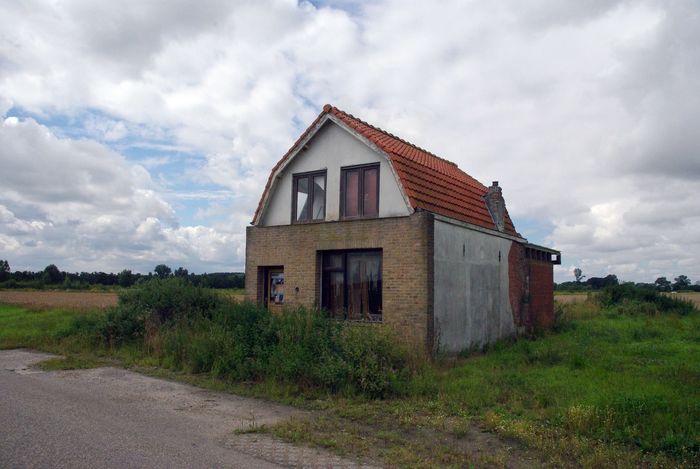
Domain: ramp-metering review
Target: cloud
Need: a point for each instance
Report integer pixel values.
(584, 111)
(83, 206)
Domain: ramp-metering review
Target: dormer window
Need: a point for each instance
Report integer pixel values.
(309, 197)
(359, 191)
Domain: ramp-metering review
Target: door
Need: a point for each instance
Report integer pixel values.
(274, 289)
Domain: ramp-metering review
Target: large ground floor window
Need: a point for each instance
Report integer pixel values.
(351, 284)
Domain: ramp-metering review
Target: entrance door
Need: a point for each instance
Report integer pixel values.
(274, 289)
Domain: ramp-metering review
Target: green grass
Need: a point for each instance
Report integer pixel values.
(615, 388)
(22, 327)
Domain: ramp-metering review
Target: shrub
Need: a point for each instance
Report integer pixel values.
(631, 299)
(167, 298)
(142, 310)
(190, 328)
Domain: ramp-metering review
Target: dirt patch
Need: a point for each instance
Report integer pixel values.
(43, 299)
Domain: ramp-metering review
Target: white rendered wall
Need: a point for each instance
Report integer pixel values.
(332, 148)
(471, 288)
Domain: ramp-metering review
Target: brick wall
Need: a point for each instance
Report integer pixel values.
(541, 293)
(406, 263)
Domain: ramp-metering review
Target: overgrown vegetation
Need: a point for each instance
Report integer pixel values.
(617, 383)
(192, 329)
(629, 299)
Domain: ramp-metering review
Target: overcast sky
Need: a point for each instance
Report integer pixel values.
(134, 133)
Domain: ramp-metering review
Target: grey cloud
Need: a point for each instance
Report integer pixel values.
(583, 110)
(99, 210)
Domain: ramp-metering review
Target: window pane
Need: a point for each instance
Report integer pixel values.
(374, 284)
(302, 199)
(335, 303)
(332, 261)
(356, 287)
(319, 197)
(370, 196)
(352, 184)
(352, 285)
(364, 285)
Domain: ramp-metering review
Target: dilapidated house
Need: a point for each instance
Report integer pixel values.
(369, 227)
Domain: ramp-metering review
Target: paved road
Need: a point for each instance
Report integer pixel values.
(112, 418)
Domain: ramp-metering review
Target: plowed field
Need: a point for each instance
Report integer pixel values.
(58, 299)
(581, 297)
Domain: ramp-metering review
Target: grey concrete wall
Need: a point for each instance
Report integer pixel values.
(471, 300)
(330, 149)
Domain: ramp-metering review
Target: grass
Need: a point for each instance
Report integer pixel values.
(616, 387)
(21, 327)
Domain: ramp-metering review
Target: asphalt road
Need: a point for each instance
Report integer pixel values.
(111, 418)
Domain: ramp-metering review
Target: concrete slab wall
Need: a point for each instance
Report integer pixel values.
(331, 149)
(471, 288)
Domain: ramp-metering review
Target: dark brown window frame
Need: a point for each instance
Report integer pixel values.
(360, 190)
(344, 270)
(295, 181)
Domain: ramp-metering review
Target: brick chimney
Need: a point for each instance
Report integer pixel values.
(496, 205)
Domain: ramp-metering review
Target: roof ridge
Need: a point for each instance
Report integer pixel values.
(329, 107)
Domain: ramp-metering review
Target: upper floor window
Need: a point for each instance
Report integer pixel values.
(309, 197)
(359, 191)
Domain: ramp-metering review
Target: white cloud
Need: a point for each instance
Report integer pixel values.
(80, 205)
(584, 111)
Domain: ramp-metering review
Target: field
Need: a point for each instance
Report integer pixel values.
(566, 298)
(82, 300)
(42, 299)
(605, 389)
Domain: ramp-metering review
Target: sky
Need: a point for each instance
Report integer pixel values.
(135, 133)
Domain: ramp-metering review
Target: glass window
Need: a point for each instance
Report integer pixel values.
(319, 206)
(370, 188)
(352, 284)
(309, 197)
(360, 192)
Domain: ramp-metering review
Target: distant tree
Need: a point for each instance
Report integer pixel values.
(181, 272)
(52, 275)
(662, 284)
(163, 271)
(126, 278)
(682, 282)
(598, 283)
(4, 270)
(578, 274)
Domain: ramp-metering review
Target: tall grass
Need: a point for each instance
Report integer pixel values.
(193, 329)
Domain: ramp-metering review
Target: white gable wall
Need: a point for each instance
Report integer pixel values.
(331, 149)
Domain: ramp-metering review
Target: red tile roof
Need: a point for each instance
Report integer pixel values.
(430, 182)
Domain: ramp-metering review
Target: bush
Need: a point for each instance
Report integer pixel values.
(190, 328)
(167, 298)
(631, 299)
(141, 311)
(243, 342)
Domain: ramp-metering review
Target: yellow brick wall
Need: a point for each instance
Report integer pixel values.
(406, 244)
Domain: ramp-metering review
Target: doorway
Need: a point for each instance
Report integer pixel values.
(274, 289)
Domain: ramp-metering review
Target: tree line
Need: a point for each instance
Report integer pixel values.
(680, 283)
(53, 277)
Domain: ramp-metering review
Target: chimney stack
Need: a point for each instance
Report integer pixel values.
(496, 205)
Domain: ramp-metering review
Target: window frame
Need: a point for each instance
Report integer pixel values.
(375, 318)
(309, 175)
(360, 190)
